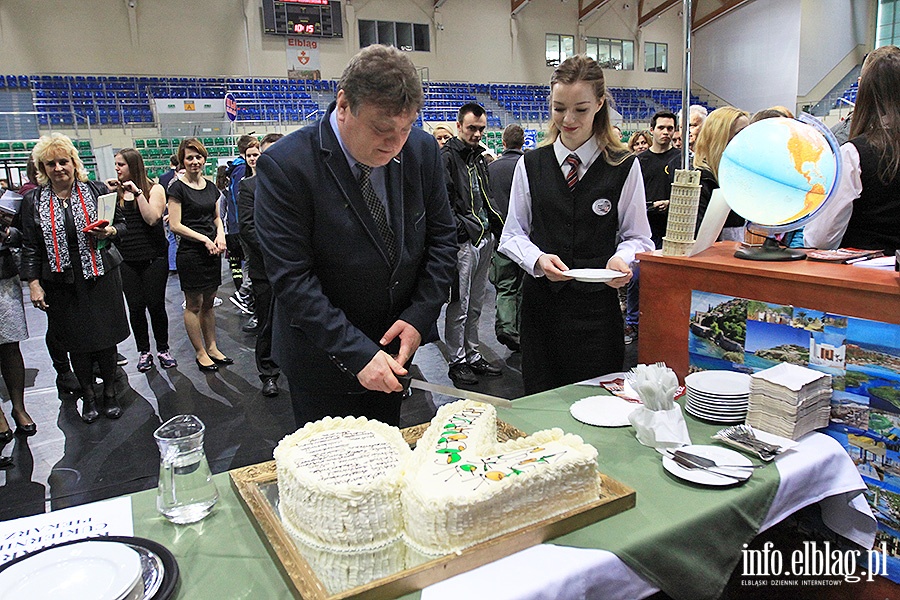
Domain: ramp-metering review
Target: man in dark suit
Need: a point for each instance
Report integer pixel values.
(358, 241)
(262, 290)
(504, 273)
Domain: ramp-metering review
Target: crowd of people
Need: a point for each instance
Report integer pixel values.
(346, 238)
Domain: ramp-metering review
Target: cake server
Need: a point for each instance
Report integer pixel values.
(409, 383)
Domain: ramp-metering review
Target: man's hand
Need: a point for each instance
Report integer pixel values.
(410, 339)
(380, 374)
(553, 267)
(617, 264)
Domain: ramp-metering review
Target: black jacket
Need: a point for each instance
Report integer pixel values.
(336, 291)
(462, 163)
(246, 194)
(36, 261)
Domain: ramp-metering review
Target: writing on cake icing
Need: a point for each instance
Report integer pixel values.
(452, 446)
(346, 457)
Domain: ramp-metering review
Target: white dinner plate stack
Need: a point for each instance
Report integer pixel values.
(717, 396)
(789, 400)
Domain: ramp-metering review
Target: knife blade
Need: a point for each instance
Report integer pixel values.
(409, 383)
(708, 462)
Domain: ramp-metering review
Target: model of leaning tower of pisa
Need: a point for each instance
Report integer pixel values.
(679, 238)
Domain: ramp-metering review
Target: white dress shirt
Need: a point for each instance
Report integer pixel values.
(828, 228)
(634, 230)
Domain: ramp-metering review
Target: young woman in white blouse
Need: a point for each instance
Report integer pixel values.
(865, 212)
(576, 202)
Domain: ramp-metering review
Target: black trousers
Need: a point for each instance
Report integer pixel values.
(313, 406)
(265, 364)
(144, 284)
(569, 333)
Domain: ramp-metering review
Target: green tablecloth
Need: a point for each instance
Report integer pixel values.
(683, 538)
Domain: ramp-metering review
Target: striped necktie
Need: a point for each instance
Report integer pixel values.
(572, 177)
(377, 209)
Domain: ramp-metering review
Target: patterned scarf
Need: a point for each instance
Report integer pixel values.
(53, 226)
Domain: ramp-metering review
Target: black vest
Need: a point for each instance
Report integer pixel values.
(565, 222)
(875, 222)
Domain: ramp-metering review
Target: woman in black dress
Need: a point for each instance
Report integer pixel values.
(145, 251)
(194, 217)
(73, 271)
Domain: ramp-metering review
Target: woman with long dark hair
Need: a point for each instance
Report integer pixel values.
(145, 251)
(576, 202)
(865, 212)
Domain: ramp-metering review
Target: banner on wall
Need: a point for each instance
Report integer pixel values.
(302, 58)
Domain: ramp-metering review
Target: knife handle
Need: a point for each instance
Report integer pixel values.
(405, 381)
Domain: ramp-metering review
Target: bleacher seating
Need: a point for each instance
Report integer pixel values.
(76, 100)
(849, 95)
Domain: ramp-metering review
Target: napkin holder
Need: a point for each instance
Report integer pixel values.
(660, 429)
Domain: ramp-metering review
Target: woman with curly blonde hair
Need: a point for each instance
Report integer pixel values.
(72, 270)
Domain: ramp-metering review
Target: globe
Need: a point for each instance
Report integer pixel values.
(778, 173)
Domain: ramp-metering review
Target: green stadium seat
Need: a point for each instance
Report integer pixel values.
(30, 145)
(162, 142)
(4, 147)
(151, 143)
(138, 144)
(18, 146)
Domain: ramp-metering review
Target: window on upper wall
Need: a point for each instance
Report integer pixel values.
(410, 37)
(656, 57)
(559, 48)
(888, 31)
(611, 54)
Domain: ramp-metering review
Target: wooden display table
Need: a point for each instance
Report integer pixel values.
(668, 281)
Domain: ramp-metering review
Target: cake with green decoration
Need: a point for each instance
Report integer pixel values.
(463, 487)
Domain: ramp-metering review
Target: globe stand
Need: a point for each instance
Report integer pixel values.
(770, 250)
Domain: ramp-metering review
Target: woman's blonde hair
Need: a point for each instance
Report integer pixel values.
(717, 131)
(583, 68)
(56, 145)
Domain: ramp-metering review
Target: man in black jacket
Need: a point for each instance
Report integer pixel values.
(358, 241)
(505, 274)
(262, 289)
(468, 188)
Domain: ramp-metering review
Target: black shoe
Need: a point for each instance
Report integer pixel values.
(121, 360)
(111, 407)
(26, 430)
(5, 461)
(241, 302)
(6, 437)
(509, 340)
(207, 368)
(89, 412)
(222, 361)
(67, 383)
(252, 326)
(483, 367)
(270, 387)
(462, 373)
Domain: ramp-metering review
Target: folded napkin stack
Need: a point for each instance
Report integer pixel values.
(789, 400)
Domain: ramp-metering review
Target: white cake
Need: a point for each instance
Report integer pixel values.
(463, 487)
(339, 483)
(352, 485)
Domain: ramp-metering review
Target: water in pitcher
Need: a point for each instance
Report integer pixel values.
(186, 491)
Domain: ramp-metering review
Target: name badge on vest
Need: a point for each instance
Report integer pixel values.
(601, 206)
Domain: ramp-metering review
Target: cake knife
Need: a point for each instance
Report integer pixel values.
(409, 383)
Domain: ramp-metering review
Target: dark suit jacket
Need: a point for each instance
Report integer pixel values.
(247, 228)
(501, 172)
(336, 293)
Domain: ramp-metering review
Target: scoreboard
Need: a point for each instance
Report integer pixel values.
(318, 18)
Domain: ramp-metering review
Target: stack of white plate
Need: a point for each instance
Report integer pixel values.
(718, 396)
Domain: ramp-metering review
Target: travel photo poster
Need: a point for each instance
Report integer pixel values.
(863, 358)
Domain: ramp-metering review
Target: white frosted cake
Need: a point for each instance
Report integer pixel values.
(353, 485)
(339, 483)
(463, 487)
